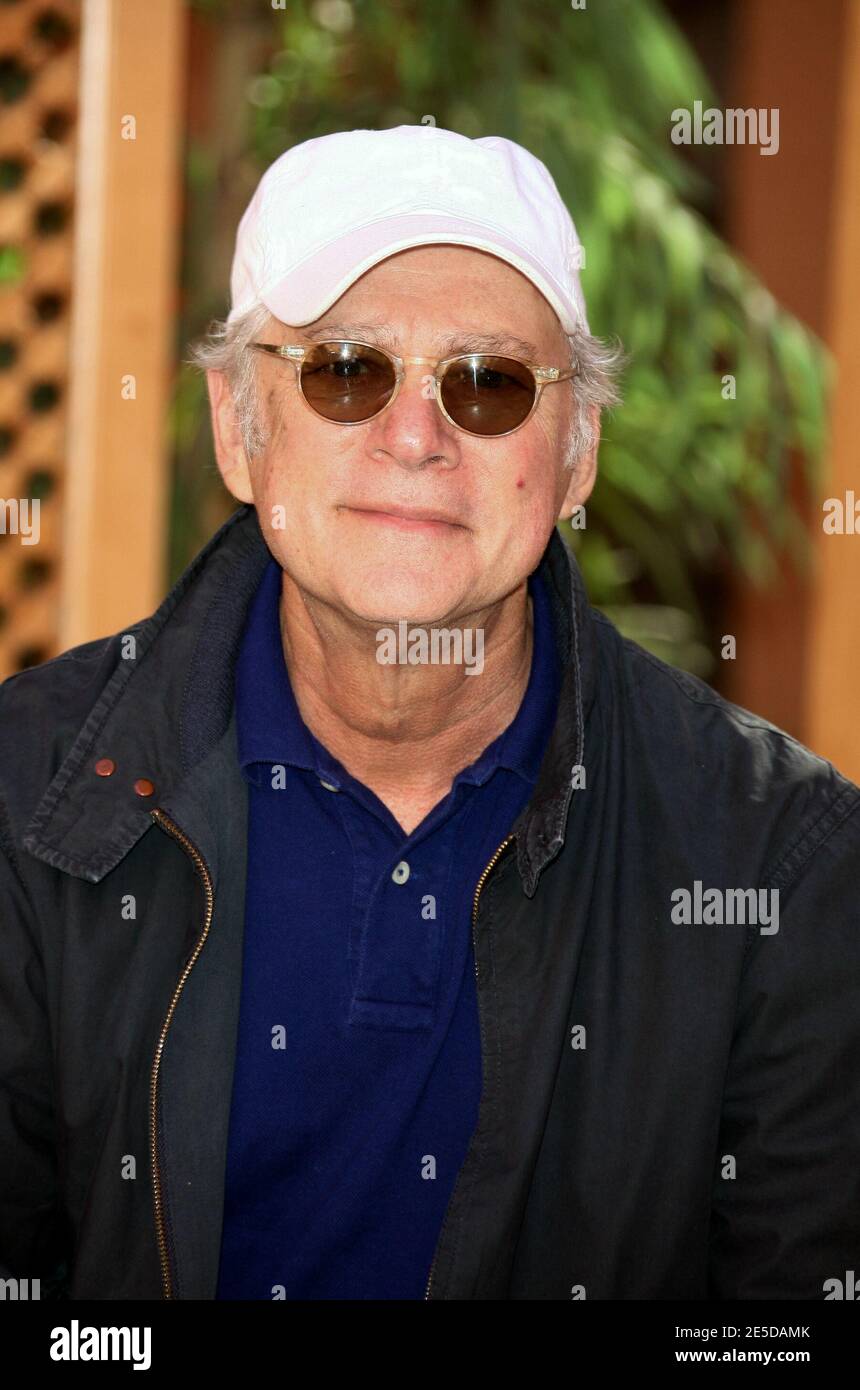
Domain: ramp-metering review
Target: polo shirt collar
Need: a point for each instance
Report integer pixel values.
(269, 726)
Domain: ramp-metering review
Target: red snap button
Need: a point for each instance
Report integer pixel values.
(144, 787)
(105, 767)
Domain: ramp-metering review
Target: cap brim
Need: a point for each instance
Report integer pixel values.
(319, 281)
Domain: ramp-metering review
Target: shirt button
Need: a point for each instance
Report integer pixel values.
(329, 786)
(401, 873)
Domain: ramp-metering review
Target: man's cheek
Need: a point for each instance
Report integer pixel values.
(531, 495)
(276, 486)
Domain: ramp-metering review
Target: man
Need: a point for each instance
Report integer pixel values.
(377, 923)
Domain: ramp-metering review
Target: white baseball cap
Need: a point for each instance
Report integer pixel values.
(330, 208)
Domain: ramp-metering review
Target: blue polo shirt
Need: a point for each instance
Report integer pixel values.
(358, 1060)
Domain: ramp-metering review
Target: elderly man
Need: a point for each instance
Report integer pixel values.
(343, 967)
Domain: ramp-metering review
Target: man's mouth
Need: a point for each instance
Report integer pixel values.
(408, 518)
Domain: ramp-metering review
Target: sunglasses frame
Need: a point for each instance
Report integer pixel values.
(296, 353)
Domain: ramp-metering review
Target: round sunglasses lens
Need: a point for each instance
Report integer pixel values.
(347, 382)
(488, 395)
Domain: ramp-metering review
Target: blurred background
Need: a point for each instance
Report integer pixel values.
(132, 137)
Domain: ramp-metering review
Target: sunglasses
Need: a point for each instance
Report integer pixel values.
(349, 383)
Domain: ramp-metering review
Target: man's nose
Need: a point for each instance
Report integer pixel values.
(413, 431)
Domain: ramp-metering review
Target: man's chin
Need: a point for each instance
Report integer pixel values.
(412, 604)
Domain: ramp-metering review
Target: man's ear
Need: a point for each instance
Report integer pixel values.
(583, 474)
(227, 437)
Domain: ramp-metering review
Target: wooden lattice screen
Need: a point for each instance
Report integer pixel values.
(38, 109)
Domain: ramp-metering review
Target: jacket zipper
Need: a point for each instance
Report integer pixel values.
(481, 881)
(199, 863)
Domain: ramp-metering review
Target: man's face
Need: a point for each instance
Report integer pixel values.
(332, 488)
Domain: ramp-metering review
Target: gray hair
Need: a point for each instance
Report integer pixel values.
(595, 385)
(223, 349)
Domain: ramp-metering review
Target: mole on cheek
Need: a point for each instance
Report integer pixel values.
(520, 482)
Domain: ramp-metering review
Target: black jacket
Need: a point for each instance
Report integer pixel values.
(668, 1110)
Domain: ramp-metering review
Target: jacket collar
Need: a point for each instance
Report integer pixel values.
(170, 701)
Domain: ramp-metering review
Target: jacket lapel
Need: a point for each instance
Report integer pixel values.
(165, 707)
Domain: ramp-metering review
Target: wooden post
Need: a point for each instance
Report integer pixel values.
(780, 218)
(833, 714)
(127, 231)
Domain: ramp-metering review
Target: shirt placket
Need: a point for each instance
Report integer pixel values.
(399, 924)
